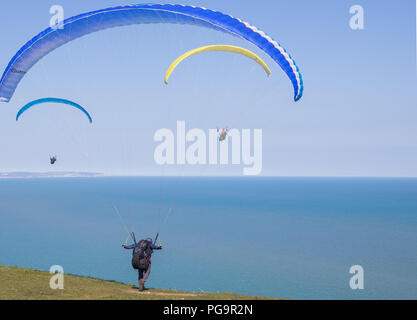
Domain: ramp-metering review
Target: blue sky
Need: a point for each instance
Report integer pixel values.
(357, 116)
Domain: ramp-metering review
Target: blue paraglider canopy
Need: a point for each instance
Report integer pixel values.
(53, 100)
(86, 23)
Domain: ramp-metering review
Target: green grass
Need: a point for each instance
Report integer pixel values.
(27, 284)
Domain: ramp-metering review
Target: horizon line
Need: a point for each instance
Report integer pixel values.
(56, 174)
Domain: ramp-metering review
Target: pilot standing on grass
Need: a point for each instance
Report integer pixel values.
(141, 259)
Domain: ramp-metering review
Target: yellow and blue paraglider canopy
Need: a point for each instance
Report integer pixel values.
(220, 47)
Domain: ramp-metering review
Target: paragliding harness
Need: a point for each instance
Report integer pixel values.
(141, 257)
(52, 159)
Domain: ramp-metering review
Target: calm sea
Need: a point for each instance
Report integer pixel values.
(279, 237)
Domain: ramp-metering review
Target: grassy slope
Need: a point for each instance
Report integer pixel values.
(19, 283)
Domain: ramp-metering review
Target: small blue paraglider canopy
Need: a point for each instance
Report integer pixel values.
(53, 100)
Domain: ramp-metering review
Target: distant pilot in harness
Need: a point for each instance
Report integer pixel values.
(52, 159)
(222, 134)
(141, 258)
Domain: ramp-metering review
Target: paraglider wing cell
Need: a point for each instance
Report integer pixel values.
(90, 22)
